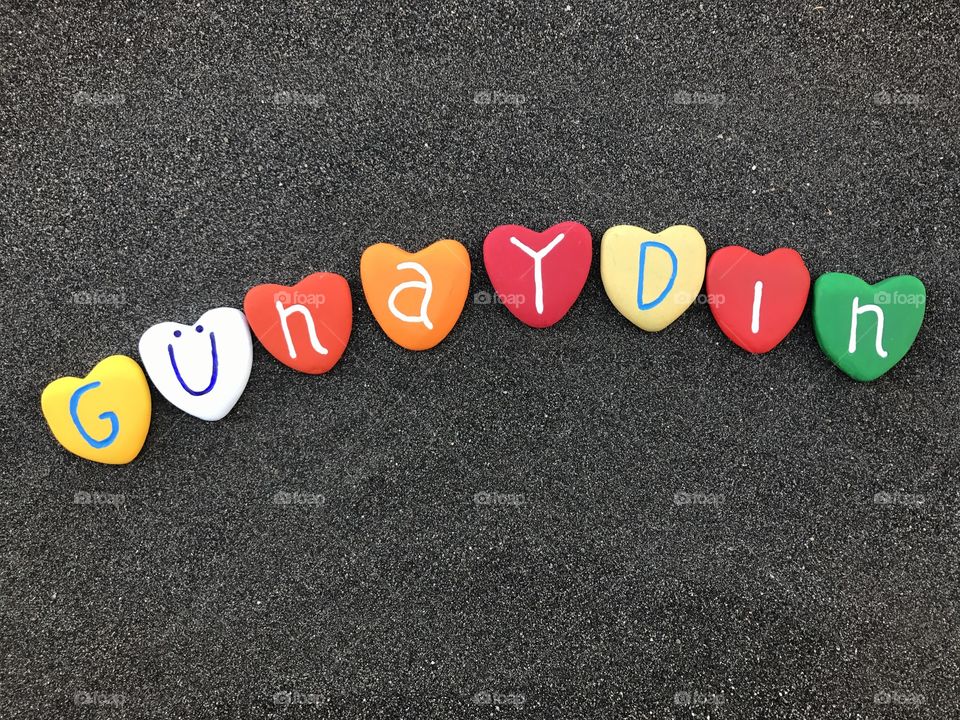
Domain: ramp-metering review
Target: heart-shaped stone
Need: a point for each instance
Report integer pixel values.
(104, 416)
(867, 329)
(652, 278)
(757, 299)
(306, 326)
(201, 368)
(416, 298)
(538, 275)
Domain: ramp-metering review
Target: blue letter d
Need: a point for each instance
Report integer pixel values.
(643, 259)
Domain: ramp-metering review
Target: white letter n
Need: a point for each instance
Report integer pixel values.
(311, 330)
(857, 310)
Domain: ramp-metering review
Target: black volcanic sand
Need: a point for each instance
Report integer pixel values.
(158, 163)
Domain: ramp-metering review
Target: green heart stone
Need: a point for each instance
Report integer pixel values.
(867, 329)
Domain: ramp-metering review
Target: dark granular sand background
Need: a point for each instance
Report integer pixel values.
(159, 162)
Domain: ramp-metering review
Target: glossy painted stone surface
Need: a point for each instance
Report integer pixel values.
(201, 368)
(305, 326)
(416, 298)
(538, 275)
(757, 299)
(867, 329)
(652, 278)
(104, 416)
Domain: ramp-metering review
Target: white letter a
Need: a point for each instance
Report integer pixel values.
(426, 285)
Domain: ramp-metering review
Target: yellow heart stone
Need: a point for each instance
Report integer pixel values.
(651, 278)
(103, 417)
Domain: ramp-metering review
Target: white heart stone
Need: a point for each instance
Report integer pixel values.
(201, 368)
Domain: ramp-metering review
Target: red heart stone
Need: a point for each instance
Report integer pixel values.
(757, 299)
(305, 326)
(538, 275)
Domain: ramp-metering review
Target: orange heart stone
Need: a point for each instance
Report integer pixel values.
(416, 298)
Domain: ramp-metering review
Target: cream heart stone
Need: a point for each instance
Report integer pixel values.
(201, 368)
(652, 278)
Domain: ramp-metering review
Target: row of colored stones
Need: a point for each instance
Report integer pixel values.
(417, 298)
